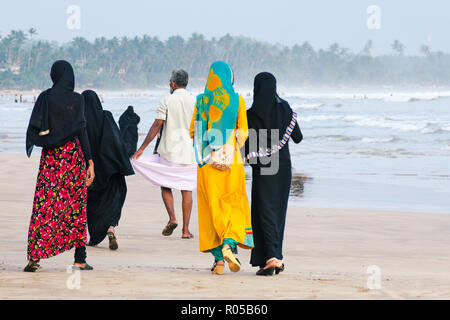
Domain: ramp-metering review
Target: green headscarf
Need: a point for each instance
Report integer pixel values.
(217, 110)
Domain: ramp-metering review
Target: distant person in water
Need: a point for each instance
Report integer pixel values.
(58, 125)
(128, 125)
(173, 167)
(272, 123)
(107, 194)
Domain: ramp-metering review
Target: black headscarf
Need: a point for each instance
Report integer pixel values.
(58, 114)
(108, 150)
(268, 110)
(128, 124)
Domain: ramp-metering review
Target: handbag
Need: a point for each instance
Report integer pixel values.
(223, 158)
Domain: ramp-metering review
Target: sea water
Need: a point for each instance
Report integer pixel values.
(362, 149)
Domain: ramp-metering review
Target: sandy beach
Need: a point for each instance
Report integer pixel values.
(327, 253)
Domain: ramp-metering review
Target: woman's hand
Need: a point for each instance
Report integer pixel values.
(90, 173)
(138, 154)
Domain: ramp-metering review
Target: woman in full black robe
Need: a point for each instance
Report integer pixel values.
(107, 194)
(270, 187)
(128, 124)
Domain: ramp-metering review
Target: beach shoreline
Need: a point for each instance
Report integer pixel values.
(329, 253)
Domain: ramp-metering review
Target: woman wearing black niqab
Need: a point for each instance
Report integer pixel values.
(128, 124)
(58, 125)
(270, 188)
(107, 194)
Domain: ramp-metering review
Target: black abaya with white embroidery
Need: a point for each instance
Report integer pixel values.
(270, 193)
(107, 194)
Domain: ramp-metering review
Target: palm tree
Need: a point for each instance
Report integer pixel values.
(7, 49)
(17, 39)
(141, 61)
(398, 47)
(368, 48)
(425, 50)
(31, 33)
(82, 46)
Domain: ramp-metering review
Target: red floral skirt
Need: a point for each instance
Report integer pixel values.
(58, 222)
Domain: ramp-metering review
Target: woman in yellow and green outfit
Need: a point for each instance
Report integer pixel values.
(219, 127)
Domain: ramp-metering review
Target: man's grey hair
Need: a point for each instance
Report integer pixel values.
(180, 77)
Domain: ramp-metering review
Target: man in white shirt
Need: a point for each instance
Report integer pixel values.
(175, 149)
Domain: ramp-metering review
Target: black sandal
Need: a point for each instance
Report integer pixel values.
(265, 272)
(279, 270)
(270, 271)
(33, 267)
(113, 245)
(168, 230)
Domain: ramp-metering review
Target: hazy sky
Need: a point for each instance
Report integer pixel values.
(321, 22)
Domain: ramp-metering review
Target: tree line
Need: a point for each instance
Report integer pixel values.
(143, 62)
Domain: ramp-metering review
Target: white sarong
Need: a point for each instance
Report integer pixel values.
(164, 173)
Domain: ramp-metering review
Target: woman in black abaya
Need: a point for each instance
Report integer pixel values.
(107, 195)
(128, 124)
(270, 188)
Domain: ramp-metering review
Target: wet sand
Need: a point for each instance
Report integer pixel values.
(327, 253)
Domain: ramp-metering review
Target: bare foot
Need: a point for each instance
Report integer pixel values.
(186, 234)
(83, 266)
(273, 263)
(79, 265)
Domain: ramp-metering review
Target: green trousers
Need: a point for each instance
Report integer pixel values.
(217, 252)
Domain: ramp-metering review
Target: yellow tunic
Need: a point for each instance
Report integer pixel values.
(223, 210)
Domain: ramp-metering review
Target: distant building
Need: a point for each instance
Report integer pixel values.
(15, 69)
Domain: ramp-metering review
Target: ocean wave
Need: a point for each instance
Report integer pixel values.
(334, 137)
(398, 124)
(446, 145)
(430, 129)
(338, 137)
(377, 153)
(383, 122)
(379, 140)
(391, 153)
(320, 117)
(414, 97)
(307, 106)
(385, 96)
